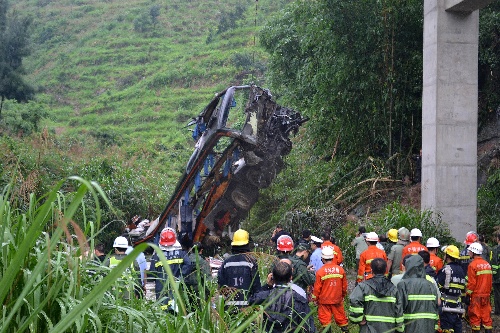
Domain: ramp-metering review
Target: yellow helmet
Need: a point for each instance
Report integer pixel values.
(392, 234)
(452, 251)
(240, 237)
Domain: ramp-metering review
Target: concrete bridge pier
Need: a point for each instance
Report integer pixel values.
(449, 111)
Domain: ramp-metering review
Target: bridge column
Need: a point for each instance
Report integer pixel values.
(449, 111)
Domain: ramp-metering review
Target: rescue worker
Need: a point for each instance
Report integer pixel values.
(372, 252)
(330, 241)
(316, 253)
(330, 290)
(373, 303)
(178, 262)
(285, 309)
(495, 266)
(394, 259)
(465, 259)
(478, 290)
(451, 283)
(433, 246)
(238, 277)
(419, 298)
(302, 276)
(359, 243)
(392, 239)
(284, 246)
(130, 277)
(414, 247)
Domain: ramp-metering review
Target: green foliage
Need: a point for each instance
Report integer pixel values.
(229, 17)
(395, 216)
(22, 118)
(489, 63)
(14, 36)
(369, 55)
(488, 217)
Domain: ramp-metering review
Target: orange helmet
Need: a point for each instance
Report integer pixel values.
(285, 243)
(471, 237)
(168, 237)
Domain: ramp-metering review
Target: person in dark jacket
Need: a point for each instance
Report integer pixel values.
(374, 305)
(451, 283)
(419, 298)
(178, 262)
(285, 309)
(427, 263)
(238, 277)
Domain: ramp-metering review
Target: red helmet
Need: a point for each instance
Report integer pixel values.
(167, 237)
(285, 243)
(471, 237)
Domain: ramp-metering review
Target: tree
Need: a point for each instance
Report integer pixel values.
(14, 38)
(355, 67)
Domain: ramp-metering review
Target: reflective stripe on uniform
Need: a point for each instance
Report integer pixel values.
(170, 262)
(457, 286)
(356, 309)
(382, 319)
(421, 297)
(422, 315)
(332, 276)
(380, 299)
(238, 264)
(357, 319)
(486, 271)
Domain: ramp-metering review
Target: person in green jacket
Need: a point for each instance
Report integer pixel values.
(419, 298)
(303, 276)
(374, 305)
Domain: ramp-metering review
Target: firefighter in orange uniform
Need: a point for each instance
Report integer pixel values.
(414, 247)
(330, 290)
(330, 241)
(372, 252)
(478, 290)
(435, 262)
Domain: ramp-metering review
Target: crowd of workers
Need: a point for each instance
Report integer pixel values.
(401, 284)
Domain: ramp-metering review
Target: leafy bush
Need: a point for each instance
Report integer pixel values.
(488, 217)
(22, 118)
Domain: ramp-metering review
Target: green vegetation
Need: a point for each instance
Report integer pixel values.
(48, 283)
(14, 40)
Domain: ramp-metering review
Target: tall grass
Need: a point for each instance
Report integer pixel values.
(49, 283)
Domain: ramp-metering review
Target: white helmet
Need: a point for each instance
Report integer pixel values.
(327, 252)
(432, 242)
(415, 233)
(121, 242)
(475, 248)
(371, 237)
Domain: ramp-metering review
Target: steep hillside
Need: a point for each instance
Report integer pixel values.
(140, 69)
